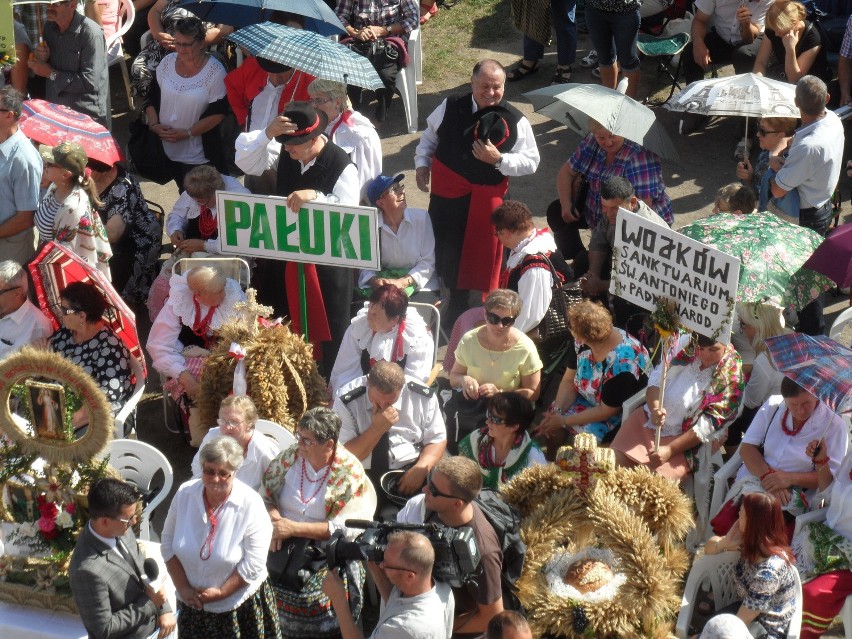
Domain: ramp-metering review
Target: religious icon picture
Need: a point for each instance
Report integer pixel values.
(47, 408)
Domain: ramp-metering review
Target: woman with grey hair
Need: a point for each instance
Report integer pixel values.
(193, 224)
(215, 542)
(348, 129)
(307, 488)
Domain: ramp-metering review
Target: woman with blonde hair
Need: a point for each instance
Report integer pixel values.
(606, 366)
(348, 129)
(68, 212)
(795, 42)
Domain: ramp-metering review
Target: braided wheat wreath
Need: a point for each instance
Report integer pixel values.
(630, 522)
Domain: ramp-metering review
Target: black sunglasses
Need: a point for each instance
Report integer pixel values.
(493, 318)
(430, 485)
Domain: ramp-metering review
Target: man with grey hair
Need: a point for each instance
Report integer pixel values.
(20, 175)
(21, 321)
(812, 168)
(391, 422)
(413, 603)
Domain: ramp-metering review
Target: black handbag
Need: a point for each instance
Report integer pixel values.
(293, 565)
(553, 328)
(146, 155)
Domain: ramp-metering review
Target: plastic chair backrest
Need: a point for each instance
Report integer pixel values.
(139, 464)
(842, 321)
(128, 408)
(126, 16)
(233, 267)
(280, 435)
(432, 316)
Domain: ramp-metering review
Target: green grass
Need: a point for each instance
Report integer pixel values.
(453, 37)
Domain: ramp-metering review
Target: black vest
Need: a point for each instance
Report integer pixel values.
(454, 147)
(322, 176)
(535, 261)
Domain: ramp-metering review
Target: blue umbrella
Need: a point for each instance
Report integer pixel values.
(319, 18)
(309, 52)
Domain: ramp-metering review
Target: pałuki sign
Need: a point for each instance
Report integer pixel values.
(319, 233)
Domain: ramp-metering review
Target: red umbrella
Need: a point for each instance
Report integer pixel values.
(52, 124)
(833, 258)
(55, 267)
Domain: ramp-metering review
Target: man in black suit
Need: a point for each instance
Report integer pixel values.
(106, 570)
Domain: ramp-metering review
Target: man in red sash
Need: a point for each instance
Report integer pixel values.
(472, 143)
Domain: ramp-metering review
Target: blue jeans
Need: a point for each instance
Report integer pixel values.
(563, 13)
(615, 35)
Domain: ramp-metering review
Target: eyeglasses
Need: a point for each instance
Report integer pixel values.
(126, 522)
(396, 189)
(230, 423)
(319, 101)
(384, 566)
(493, 318)
(762, 131)
(221, 474)
(65, 310)
(183, 45)
(430, 486)
(490, 417)
(7, 290)
(304, 441)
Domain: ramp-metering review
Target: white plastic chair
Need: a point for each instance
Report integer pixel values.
(115, 44)
(409, 77)
(130, 407)
(432, 316)
(842, 321)
(282, 437)
(138, 464)
(719, 571)
(721, 482)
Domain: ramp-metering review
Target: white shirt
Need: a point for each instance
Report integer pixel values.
(523, 159)
(186, 209)
(182, 102)
(535, 287)
(255, 152)
(164, 347)
(261, 450)
(764, 382)
(839, 515)
(264, 107)
(241, 541)
(418, 346)
(411, 246)
(723, 16)
(304, 499)
(785, 453)
(22, 327)
(414, 617)
(420, 422)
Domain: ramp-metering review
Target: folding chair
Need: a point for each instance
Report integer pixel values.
(665, 48)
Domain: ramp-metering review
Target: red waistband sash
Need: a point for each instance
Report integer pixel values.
(479, 267)
(318, 330)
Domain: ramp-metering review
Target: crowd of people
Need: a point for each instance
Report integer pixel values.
(514, 396)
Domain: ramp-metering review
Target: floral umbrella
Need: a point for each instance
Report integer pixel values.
(55, 267)
(772, 253)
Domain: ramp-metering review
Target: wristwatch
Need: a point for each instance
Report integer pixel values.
(52, 76)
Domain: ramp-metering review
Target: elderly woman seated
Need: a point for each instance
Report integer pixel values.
(407, 241)
(309, 490)
(503, 447)
(775, 457)
(602, 155)
(492, 358)
(200, 302)
(86, 340)
(237, 416)
(704, 389)
(605, 367)
(385, 329)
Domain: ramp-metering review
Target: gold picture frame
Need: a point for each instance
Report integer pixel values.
(46, 402)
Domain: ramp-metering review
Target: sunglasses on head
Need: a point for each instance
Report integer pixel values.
(493, 318)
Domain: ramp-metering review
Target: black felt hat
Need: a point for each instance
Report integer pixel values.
(310, 123)
(497, 124)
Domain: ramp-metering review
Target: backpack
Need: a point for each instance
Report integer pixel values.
(506, 522)
(830, 28)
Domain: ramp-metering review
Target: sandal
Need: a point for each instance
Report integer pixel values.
(521, 71)
(562, 75)
(426, 12)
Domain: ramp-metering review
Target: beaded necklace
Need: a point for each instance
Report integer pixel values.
(788, 431)
(319, 483)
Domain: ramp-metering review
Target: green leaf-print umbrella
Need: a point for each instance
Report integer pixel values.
(772, 253)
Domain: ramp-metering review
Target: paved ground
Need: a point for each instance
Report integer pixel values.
(707, 164)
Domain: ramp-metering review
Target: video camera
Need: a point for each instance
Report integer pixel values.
(456, 553)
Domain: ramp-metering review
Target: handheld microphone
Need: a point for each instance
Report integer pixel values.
(152, 573)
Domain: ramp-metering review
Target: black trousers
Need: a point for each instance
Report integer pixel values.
(721, 52)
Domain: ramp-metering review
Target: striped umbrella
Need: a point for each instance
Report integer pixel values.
(309, 52)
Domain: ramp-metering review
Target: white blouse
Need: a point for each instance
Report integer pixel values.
(241, 540)
(182, 102)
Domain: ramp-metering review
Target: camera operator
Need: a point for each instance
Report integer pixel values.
(447, 499)
(508, 625)
(412, 601)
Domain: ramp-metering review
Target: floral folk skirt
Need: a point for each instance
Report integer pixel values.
(255, 618)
